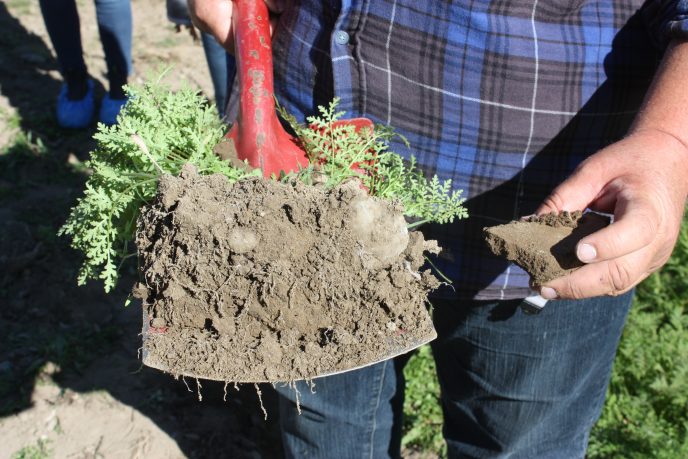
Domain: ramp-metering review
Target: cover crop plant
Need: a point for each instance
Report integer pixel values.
(159, 131)
(338, 151)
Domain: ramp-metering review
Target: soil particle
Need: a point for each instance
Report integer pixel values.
(545, 246)
(267, 281)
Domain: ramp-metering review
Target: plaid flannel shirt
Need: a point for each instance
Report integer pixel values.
(504, 98)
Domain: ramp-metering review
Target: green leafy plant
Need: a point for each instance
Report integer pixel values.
(40, 450)
(422, 410)
(159, 131)
(338, 150)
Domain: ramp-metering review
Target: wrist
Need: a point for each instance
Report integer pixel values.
(664, 137)
(665, 148)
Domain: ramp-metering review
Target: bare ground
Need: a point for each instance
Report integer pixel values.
(71, 382)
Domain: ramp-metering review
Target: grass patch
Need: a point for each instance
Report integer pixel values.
(25, 143)
(422, 410)
(26, 163)
(69, 347)
(40, 450)
(21, 6)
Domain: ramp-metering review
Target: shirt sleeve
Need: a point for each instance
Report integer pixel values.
(667, 20)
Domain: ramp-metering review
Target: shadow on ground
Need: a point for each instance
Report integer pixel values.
(90, 337)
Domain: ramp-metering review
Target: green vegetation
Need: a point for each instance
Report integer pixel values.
(38, 451)
(25, 143)
(338, 150)
(646, 412)
(69, 347)
(422, 410)
(159, 131)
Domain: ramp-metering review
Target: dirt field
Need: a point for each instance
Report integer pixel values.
(71, 384)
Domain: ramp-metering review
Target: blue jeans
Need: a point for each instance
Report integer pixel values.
(115, 28)
(222, 68)
(513, 386)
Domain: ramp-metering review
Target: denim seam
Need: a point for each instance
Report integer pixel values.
(376, 407)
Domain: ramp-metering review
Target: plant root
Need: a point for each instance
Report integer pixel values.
(260, 399)
(198, 386)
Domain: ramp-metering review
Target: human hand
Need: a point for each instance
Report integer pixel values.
(643, 181)
(215, 17)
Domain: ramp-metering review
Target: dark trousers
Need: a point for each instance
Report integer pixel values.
(115, 28)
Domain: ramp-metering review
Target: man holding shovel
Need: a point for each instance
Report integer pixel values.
(529, 108)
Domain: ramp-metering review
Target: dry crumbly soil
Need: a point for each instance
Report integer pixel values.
(260, 281)
(545, 246)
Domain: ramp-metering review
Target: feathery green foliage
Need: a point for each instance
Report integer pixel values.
(337, 151)
(158, 132)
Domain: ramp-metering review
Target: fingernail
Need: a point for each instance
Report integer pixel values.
(548, 293)
(586, 253)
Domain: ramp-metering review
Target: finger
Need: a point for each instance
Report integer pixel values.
(577, 191)
(635, 226)
(213, 17)
(612, 277)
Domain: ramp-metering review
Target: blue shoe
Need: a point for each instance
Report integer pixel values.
(76, 114)
(109, 109)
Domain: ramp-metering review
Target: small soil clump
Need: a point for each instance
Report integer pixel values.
(545, 246)
(266, 281)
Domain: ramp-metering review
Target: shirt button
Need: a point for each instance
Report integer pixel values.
(341, 37)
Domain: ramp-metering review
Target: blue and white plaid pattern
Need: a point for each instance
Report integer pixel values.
(504, 98)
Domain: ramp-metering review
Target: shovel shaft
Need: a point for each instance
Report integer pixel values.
(254, 63)
(257, 134)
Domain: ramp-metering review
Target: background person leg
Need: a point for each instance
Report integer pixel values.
(115, 28)
(76, 101)
(62, 22)
(217, 57)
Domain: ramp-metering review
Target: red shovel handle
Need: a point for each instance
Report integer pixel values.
(257, 134)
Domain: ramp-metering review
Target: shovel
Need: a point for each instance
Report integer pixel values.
(259, 138)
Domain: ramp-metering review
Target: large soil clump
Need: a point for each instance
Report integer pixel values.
(266, 281)
(545, 246)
